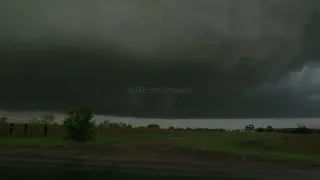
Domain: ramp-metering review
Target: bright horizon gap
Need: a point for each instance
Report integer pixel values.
(216, 123)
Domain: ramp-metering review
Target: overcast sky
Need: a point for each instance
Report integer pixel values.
(241, 58)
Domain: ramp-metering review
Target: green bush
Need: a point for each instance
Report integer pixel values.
(302, 130)
(259, 129)
(217, 130)
(153, 126)
(125, 125)
(79, 124)
(179, 129)
(114, 125)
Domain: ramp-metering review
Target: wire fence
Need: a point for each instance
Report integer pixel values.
(26, 129)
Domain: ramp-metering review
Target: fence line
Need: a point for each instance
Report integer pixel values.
(19, 129)
(26, 129)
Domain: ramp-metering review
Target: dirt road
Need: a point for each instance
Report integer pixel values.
(122, 163)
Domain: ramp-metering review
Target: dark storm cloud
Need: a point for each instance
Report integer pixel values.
(59, 54)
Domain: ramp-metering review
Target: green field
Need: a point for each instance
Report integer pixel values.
(302, 149)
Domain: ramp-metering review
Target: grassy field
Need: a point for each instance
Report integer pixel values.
(302, 149)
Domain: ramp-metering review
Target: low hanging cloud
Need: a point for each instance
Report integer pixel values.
(236, 56)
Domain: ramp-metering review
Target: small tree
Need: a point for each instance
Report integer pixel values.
(79, 124)
(106, 123)
(303, 130)
(269, 129)
(44, 119)
(3, 120)
(34, 120)
(125, 125)
(114, 125)
(153, 126)
(249, 128)
(47, 119)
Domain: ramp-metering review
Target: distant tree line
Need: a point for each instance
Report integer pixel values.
(298, 130)
(80, 125)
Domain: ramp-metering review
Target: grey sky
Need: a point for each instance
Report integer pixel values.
(241, 57)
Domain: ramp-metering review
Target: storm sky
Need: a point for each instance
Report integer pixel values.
(240, 58)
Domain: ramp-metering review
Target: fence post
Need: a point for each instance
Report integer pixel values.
(45, 129)
(25, 128)
(101, 129)
(11, 128)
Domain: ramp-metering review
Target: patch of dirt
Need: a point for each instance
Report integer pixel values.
(160, 150)
(143, 151)
(287, 143)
